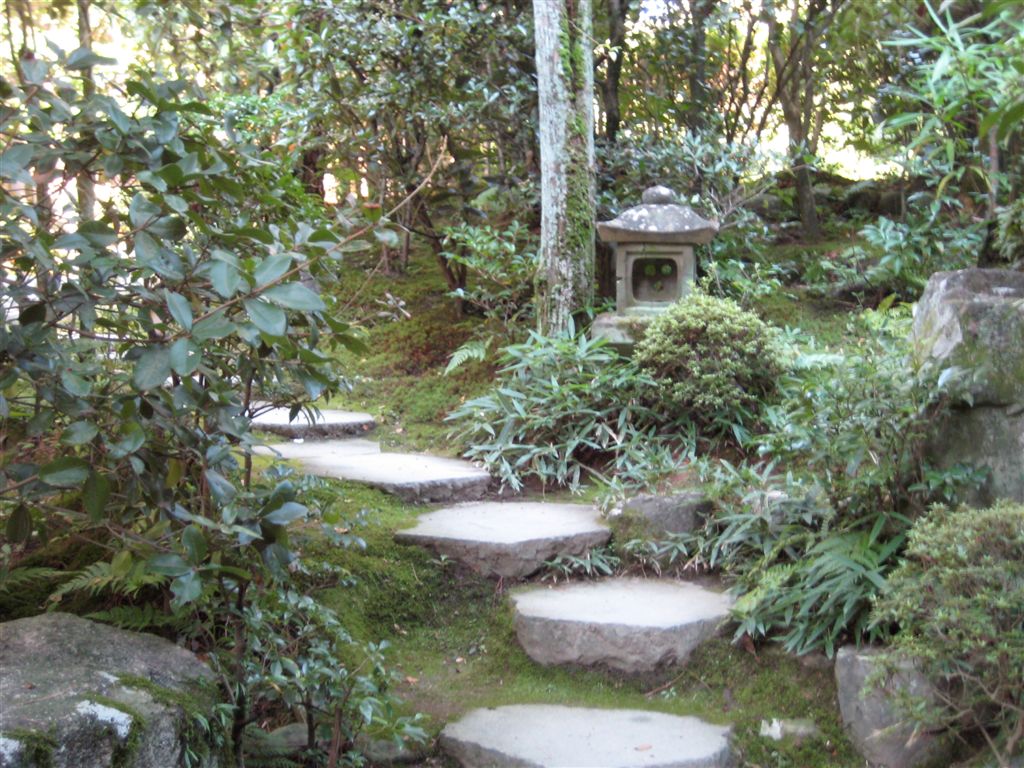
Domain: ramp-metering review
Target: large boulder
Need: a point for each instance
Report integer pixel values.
(77, 694)
(987, 438)
(869, 703)
(973, 319)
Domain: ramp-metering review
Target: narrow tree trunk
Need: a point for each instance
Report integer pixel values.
(565, 86)
(617, 12)
(84, 182)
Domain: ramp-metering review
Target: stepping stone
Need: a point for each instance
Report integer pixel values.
(331, 450)
(509, 540)
(414, 478)
(327, 423)
(630, 625)
(549, 736)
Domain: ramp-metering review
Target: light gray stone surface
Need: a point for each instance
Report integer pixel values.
(871, 716)
(510, 539)
(303, 450)
(325, 423)
(630, 625)
(988, 438)
(658, 219)
(62, 678)
(669, 514)
(414, 478)
(545, 736)
(973, 319)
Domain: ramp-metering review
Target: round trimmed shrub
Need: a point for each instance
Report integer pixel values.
(712, 361)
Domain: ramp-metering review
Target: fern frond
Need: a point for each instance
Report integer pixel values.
(20, 578)
(100, 577)
(471, 350)
(136, 617)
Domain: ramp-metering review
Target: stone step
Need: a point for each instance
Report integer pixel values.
(412, 477)
(508, 539)
(564, 737)
(626, 624)
(326, 423)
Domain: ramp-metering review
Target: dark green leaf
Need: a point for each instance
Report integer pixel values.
(268, 318)
(95, 496)
(180, 309)
(186, 588)
(83, 58)
(221, 488)
(65, 472)
(225, 278)
(79, 433)
(19, 525)
(216, 326)
(271, 268)
(152, 369)
(294, 296)
(185, 357)
(287, 513)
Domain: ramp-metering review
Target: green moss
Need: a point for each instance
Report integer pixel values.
(37, 747)
(124, 751)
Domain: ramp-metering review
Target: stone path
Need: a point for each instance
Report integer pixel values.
(510, 539)
(543, 735)
(414, 478)
(629, 625)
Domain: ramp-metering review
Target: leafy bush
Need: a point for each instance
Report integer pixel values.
(138, 335)
(811, 548)
(958, 600)
(563, 406)
(711, 361)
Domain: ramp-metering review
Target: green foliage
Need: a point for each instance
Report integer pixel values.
(957, 600)
(138, 338)
(562, 407)
(899, 256)
(594, 563)
(810, 548)
(1010, 235)
(711, 362)
(298, 654)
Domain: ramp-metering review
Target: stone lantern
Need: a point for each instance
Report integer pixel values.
(655, 265)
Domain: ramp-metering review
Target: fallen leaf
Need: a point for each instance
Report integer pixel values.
(643, 747)
(412, 680)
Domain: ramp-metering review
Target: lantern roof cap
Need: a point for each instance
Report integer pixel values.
(660, 218)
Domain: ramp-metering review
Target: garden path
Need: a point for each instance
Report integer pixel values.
(634, 626)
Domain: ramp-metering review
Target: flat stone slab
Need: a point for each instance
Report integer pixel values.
(414, 478)
(326, 423)
(303, 451)
(546, 736)
(509, 540)
(630, 625)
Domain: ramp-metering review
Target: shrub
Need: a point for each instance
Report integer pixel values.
(562, 406)
(711, 361)
(811, 548)
(958, 599)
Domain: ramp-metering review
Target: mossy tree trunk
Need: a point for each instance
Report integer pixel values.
(565, 85)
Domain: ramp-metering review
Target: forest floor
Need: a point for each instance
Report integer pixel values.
(450, 631)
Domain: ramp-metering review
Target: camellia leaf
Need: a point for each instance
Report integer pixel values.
(186, 588)
(179, 308)
(19, 525)
(65, 472)
(294, 296)
(95, 496)
(271, 268)
(79, 433)
(287, 513)
(225, 278)
(265, 316)
(152, 369)
(185, 357)
(216, 326)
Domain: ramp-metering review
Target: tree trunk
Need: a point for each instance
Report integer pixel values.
(86, 186)
(617, 12)
(565, 87)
